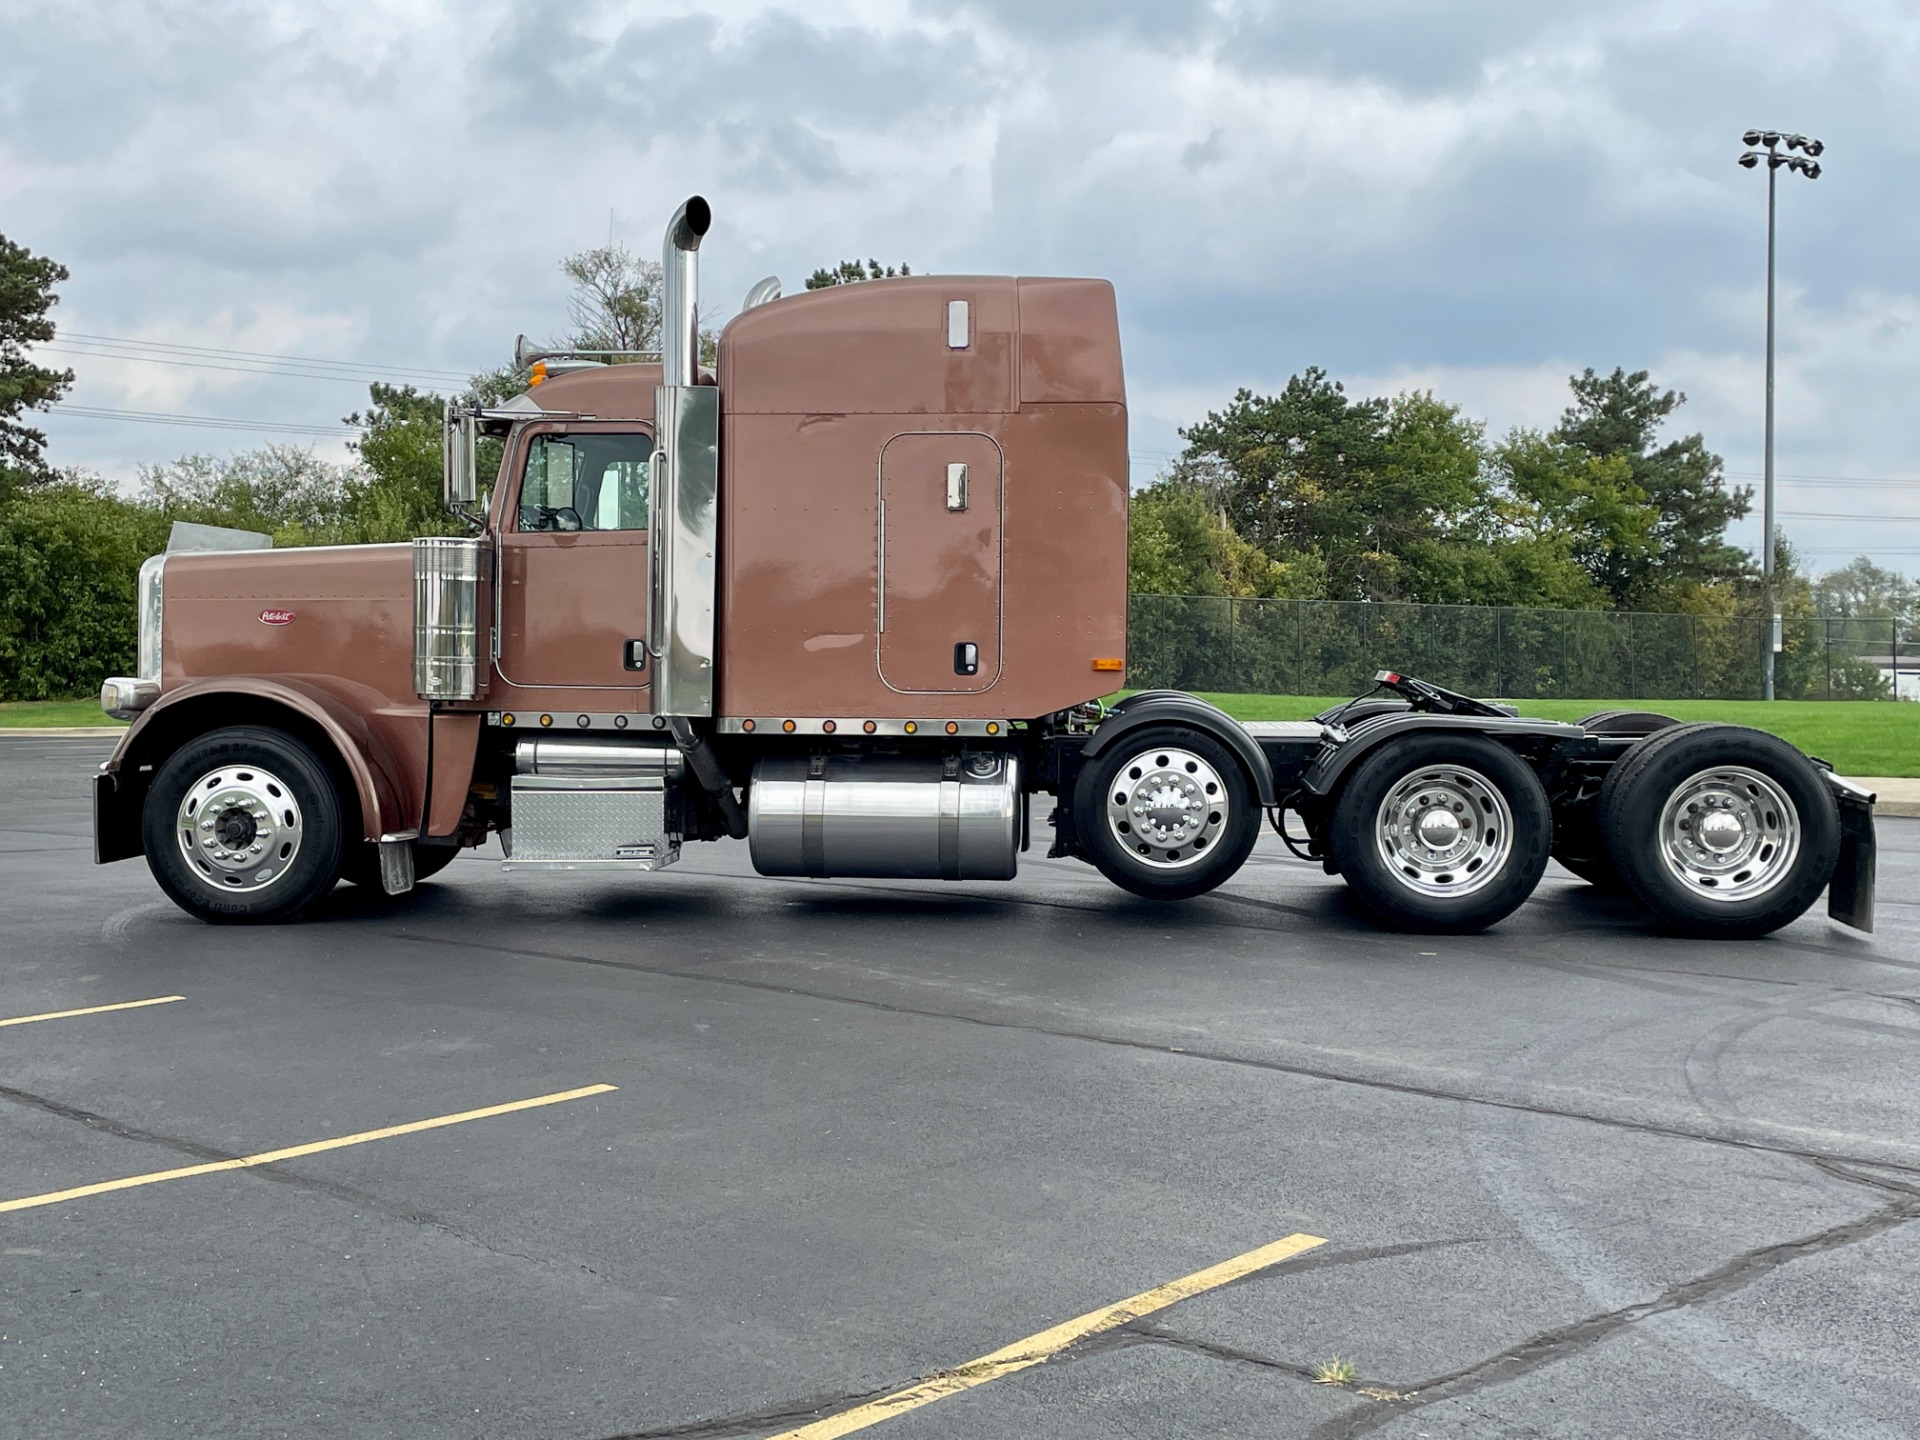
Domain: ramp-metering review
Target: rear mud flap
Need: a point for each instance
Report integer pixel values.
(1850, 892)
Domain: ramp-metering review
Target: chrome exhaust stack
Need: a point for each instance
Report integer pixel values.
(680, 293)
(686, 484)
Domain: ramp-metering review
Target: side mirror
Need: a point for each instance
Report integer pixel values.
(460, 480)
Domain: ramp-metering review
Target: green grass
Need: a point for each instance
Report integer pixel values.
(1859, 737)
(40, 714)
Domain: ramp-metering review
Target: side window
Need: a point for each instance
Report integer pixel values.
(586, 482)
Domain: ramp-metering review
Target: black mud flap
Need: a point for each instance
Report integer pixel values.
(116, 820)
(1850, 892)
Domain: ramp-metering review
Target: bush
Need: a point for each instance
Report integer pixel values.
(70, 556)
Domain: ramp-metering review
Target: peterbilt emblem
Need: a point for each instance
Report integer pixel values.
(276, 617)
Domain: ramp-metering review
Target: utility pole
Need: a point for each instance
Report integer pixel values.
(1806, 165)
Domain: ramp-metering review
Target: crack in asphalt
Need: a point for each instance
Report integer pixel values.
(1281, 1067)
(194, 1149)
(1551, 1346)
(784, 1413)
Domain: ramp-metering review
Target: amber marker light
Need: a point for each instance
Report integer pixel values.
(539, 375)
(869, 727)
(828, 726)
(953, 727)
(747, 725)
(993, 727)
(506, 719)
(1109, 663)
(546, 719)
(912, 729)
(787, 725)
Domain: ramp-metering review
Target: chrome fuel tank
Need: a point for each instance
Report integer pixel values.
(887, 816)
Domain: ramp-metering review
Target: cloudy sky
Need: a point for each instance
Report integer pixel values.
(1473, 197)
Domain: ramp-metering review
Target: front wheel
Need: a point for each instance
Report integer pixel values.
(1720, 831)
(1168, 813)
(1441, 833)
(243, 825)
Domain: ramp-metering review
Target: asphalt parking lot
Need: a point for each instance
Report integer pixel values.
(1572, 1178)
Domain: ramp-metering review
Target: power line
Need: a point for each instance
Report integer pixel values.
(170, 347)
(207, 422)
(1843, 515)
(365, 377)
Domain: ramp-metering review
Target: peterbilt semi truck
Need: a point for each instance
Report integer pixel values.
(854, 596)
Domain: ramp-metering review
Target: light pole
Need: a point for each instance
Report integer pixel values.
(1804, 164)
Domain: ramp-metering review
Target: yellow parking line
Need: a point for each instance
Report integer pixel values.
(1036, 1349)
(90, 1010)
(294, 1152)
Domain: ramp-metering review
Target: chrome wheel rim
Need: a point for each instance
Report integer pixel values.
(1168, 808)
(1444, 830)
(239, 828)
(1729, 834)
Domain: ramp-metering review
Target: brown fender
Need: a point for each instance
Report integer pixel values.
(201, 705)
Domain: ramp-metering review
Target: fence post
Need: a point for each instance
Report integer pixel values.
(1893, 646)
(1499, 652)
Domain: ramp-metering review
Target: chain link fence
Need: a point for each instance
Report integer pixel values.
(1333, 647)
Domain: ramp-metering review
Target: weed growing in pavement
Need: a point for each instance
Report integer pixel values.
(1333, 1372)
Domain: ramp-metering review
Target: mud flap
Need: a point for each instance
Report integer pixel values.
(116, 820)
(1850, 891)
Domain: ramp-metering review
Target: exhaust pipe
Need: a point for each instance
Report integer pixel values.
(680, 292)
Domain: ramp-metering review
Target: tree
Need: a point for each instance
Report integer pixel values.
(851, 272)
(291, 494)
(26, 295)
(1862, 590)
(615, 303)
(1618, 416)
(1178, 543)
(70, 550)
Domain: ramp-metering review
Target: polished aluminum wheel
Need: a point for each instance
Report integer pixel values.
(1729, 834)
(1444, 830)
(1167, 807)
(239, 828)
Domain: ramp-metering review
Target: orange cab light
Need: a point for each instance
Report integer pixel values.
(1109, 663)
(539, 375)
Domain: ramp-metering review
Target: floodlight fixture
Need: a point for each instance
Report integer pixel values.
(1802, 164)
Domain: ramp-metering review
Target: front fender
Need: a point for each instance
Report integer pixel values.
(177, 716)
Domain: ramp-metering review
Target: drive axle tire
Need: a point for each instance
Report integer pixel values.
(1720, 831)
(243, 825)
(1168, 813)
(1441, 833)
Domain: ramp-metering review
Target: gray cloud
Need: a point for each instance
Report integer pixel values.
(1480, 197)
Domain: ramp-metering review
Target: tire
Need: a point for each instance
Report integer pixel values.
(1765, 865)
(1489, 865)
(1207, 804)
(361, 865)
(279, 845)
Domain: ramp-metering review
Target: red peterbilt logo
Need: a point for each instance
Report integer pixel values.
(276, 617)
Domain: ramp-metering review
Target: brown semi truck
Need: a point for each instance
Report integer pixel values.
(853, 597)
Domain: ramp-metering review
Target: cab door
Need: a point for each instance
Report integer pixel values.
(573, 569)
(941, 569)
